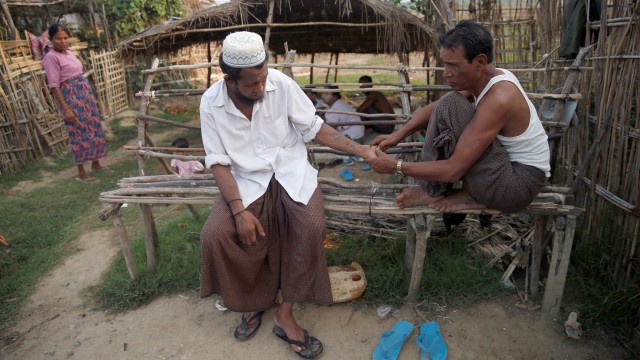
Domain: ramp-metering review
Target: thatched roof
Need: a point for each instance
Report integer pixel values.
(32, 2)
(307, 26)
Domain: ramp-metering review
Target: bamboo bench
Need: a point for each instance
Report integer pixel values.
(340, 197)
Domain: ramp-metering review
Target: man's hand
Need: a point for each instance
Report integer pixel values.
(382, 163)
(384, 142)
(371, 152)
(248, 228)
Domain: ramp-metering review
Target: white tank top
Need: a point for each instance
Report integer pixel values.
(532, 146)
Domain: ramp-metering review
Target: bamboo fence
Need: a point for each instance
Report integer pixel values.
(109, 80)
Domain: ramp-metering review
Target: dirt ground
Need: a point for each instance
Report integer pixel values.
(59, 322)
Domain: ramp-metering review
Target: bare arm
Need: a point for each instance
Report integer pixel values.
(367, 103)
(330, 137)
(485, 125)
(247, 225)
(68, 113)
(420, 120)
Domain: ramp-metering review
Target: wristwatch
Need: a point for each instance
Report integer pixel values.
(399, 168)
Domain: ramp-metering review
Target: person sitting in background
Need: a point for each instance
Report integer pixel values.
(334, 100)
(188, 167)
(375, 103)
(313, 96)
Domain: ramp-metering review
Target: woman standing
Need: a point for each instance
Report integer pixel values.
(73, 93)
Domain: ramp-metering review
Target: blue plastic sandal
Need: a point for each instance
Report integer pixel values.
(366, 167)
(431, 343)
(391, 341)
(346, 175)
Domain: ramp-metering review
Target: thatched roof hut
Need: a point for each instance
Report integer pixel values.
(320, 26)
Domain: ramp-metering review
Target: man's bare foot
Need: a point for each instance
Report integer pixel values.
(414, 196)
(458, 201)
(284, 319)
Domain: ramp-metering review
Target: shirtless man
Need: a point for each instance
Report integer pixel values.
(498, 148)
(375, 103)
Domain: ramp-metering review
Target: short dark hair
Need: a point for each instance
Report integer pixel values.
(473, 38)
(335, 87)
(233, 72)
(55, 28)
(180, 143)
(365, 78)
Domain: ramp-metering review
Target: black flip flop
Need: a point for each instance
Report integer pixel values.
(335, 162)
(243, 331)
(311, 347)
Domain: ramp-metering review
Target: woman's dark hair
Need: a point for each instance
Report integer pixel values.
(233, 72)
(55, 28)
(335, 87)
(180, 143)
(473, 38)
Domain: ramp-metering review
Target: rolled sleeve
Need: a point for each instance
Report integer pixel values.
(302, 113)
(314, 129)
(211, 140)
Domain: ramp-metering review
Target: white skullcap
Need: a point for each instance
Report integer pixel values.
(243, 49)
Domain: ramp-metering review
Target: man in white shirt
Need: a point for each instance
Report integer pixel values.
(265, 234)
(334, 100)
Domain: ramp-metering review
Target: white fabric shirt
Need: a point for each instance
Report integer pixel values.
(273, 142)
(354, 132)
(532, 146)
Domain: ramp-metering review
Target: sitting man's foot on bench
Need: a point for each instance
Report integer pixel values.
(456, 202)
(415, 196)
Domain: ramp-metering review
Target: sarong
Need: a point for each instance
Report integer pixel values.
(86, 139)
(493, 180)
(290, 258)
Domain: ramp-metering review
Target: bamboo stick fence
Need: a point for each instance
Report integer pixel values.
(109, 81)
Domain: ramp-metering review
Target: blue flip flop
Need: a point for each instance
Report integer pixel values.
(431, 343)
(391, 341)
(346, 175)
(366, 167)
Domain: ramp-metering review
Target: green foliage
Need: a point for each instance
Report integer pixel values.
(129, 17)
(39, 224)
(604, 302)
(178, 265)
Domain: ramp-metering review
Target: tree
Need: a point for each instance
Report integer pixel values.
(128, 17)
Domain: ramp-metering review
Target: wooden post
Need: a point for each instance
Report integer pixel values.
(124, 243)
(422, 233)
(289, 59)
(209, 61)
(150, 236)
(564, 227)
(410, 243)
(7, 15)
(267, 34)
(144, 106)
(536, 254)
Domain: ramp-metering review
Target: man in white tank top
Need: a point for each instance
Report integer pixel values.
(485, 133)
